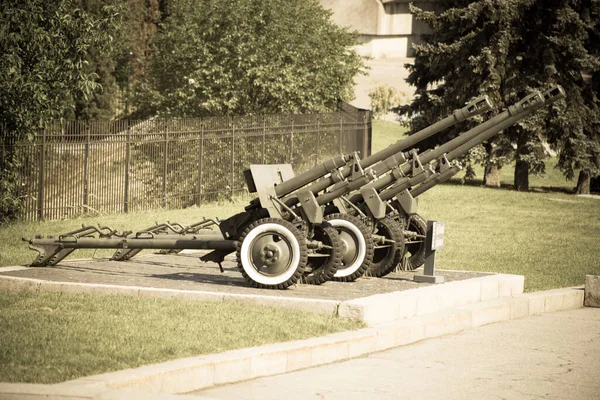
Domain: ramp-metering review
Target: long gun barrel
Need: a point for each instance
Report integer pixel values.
(434, 180)
(474, 108)
(462, 144)
(455, 147)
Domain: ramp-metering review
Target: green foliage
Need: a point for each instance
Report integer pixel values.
(504, 49)
(139, 27)
(383, 98)
(11, 198)
(101, 61)
(215, 57)
(44, 46)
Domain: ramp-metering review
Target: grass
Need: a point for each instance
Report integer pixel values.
(385, 133)
(52, 337)
(550, 238)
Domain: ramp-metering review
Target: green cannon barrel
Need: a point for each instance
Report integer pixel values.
(311, 175)
(394, 152)
(455, 147)
(475, 107)
(550, 96)
(435, 179)
(524, 107)
(404, 184)
(466, 141)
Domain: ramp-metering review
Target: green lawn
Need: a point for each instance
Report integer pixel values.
(385, 133)
(53, 337)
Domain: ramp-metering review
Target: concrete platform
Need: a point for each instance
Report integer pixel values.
(186, 272)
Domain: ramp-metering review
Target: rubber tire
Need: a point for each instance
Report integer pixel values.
(386, 260)
(326, 270)
(292, 234)
(360, 229)
(416, 258)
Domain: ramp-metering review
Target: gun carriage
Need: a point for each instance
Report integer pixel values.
(339, 220)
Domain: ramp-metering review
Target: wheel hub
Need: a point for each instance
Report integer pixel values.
(349, 250)
(271, 254)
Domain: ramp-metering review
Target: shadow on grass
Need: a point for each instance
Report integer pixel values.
(209, 279)
(507, 186)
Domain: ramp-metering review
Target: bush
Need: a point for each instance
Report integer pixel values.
(383, 98)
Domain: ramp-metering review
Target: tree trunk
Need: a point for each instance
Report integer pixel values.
(492, 176)
(521, 181)
(583, 182)
(491, 172)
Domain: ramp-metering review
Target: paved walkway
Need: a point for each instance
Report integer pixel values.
(552, 356)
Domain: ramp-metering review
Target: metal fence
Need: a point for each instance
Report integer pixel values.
(119, 166)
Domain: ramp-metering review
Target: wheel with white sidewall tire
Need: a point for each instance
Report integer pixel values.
(272, 254)
(357, 244)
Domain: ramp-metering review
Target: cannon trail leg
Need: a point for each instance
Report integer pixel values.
(389, 254)
(324, 261)
(357, 245)
(273, 254)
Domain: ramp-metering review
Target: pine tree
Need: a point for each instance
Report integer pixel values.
(504, 48)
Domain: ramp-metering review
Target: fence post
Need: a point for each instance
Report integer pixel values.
(317, 144)
(86, 166)
(340, 138)
(200, 159)
(232, 154)
(366, 136)
(264, 137)
(164, 180)
(41, 176)
(292, 140)
(127, 166)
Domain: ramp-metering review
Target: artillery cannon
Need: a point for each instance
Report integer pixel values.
(338, 220)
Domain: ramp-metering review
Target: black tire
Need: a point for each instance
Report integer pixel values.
(322, 269)
(272, 254)
(386, 259)
(414, 249)
(357, 244)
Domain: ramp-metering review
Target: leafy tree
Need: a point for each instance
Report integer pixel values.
(139, 27)
(504, 48)
(215, 57)
(43, 50)
(99, 61)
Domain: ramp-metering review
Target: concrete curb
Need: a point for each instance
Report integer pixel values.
(388, 307)
(592, 291)
(372, 310)
(194, 373)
